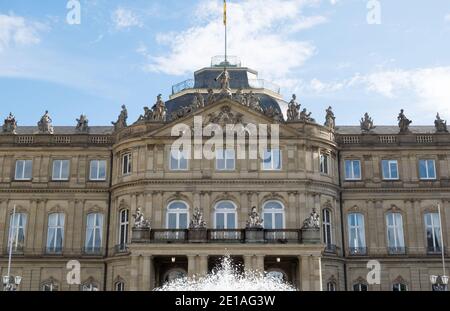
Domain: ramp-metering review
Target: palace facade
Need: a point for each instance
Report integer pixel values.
(76, 191)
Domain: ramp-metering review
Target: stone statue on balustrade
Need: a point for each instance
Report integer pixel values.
(254, 221)
(403, 122)
(366, 123)
(224, 78)
(313, 221)
(45, 124)
(330, 119)
(159, 109)
(441, 125)
(139, 220)
(121, 120)
(82, 124)
(197, 221)
(10, 124)
(305, 116)
(293, 109)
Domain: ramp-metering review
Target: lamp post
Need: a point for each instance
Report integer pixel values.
(11, 283)
(440, 282)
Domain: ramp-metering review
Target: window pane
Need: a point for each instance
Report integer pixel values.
(431, 169)
(231, 220)
(183, 221)
(278, 221)
(423, 169)
(348, 169)
(19, 169)
(220, 221)
(56, 169)
(28, 169)
(93, 170)
(268, 221)
(172, 221)
(65, 169)
(357, 169)
(394, 170)
(276, 159)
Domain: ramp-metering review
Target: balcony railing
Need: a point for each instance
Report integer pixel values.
(169, 235)
(226, 235)
(282, 236)
(397, 250)
(54, 250)
(357, 251)
(434, 250)
(92, 251)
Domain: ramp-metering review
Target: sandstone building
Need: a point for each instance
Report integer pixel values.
(76, 189)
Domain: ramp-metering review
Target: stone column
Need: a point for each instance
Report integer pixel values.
(134, 273)
(304, 269)
(259, 263)
(147, 274)
(203, 265)
(191, 265)
(316, 274)
(248, 263)
(291, 213)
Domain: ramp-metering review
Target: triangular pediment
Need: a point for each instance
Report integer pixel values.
(223, 112)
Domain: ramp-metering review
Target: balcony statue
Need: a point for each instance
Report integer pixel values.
(313, 221)
(197, 221)
(82, 124)
(224, 78)
(254, 221)
(367, 123)
(10, 124)
(45, 124)
(330, 119)
(403, 122)
(293, 109)
(159, 109)
(273, 113)
(441, 125)
(139, 220)
(305, 116)
(121, 120)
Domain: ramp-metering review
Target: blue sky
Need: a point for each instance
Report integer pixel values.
(127, 52)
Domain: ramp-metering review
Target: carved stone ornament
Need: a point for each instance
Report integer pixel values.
(305, 116)
(330, 119)
(45, 124)
(441, 125)
(10, 124)
(254, 221)
(197, 221)
(367, 123)
(224, 117)
(139, 220)
(121, 120)
(313, 221)
(403, 122)
(82, 124)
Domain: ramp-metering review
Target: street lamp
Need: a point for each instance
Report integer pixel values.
(11, 283)
(440, 282)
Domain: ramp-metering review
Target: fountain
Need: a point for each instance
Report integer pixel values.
(226, 277)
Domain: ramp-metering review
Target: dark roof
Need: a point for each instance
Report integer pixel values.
(65, 130)
(205, 79)
(385, 130)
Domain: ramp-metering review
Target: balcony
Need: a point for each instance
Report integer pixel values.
(357, 251)
(272, 236)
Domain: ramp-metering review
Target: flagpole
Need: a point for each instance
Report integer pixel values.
(225, 24)
(442, 240)
(11, 240)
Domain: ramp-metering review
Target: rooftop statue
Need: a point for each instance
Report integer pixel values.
(198, 101)
(159, 109)
(10, 124)
(313, 221)
(224, 78)
(82, 124)
(121, 120)
(441, 125)
(211, 97)
(254, 221)
(239, 97)
(139, 220)
(403, 122)
(147, 116)
(367, 123)
(197, 221)
(254, 101)
(305, 116)
(330, 119)
(45, 124)
(293, 109)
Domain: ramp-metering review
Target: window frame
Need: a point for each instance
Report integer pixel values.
(273, 212)
(359, 230)
(224, 152)
(94, 248)
(226, 212)
(177, 212)
(332, 288)
(396, 229)
(14, 228)
(436, 247)
(326, 224)
(399, 285)
(360, 287)
(60, 178)
(117, 284)
(97, 178)
(55, 248)
(125, 225)
(352, 161)
(127, 164)
(178, 160)
(426, 168)
(25, 162)
(272, 162)
(324, 163)
(389, 162)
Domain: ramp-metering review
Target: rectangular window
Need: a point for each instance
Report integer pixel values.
(225, 160)
(55, 233)
(126, 164)
(178, 160)
(427, 169)
(395, 237)
(61, 169)
(356, 234)
(324, 163)
(94, 233)
(24, 169)
(390, 169)
(17, 226)
(352, 170)
(433, 231)
(272, 160)
(97, 170)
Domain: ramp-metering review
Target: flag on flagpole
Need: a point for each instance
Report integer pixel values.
(225, 12)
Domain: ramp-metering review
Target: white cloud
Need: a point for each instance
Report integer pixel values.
(260, 33)
(125, 18)
(16, 31)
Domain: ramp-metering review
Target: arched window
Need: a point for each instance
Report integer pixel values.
(395, 237)
(225, 215)
(177, 215)
(327, 228)
(123, 228)
(174, 274)
(331, 286)
(50, 286)
(360, 287)
(55, 233)
(399, 287)
(89, 286)
(433, 230)
(273, 215)
(17, 226)
(119, 286)
(356, 234)
(94, 233)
